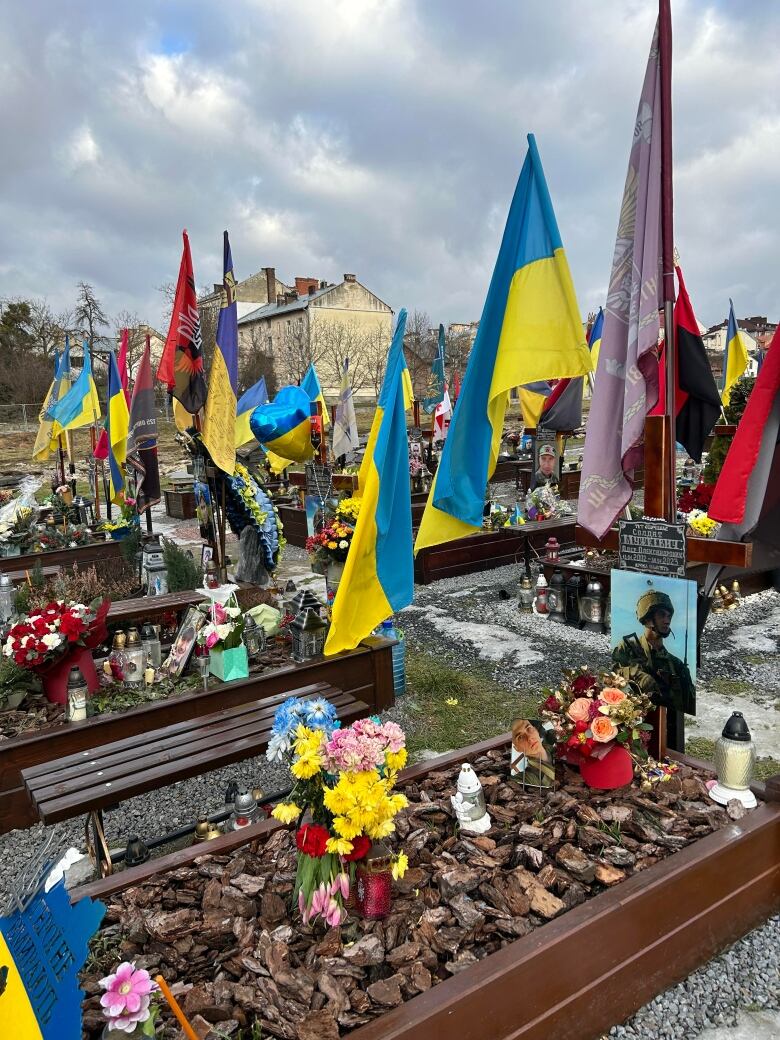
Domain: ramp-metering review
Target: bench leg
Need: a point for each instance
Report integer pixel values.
(97, 846)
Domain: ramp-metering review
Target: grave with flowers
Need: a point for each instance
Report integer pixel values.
(367, 907)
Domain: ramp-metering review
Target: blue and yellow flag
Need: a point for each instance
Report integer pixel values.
(435, 390)
(254, 397)
(117, 425)
(283, 427)
(45, 441)
(532, 397)
(80, 406)
(736, 357)
(530, 330)
(594, 340)
(378, 575)
(219, 420)
(311, 384)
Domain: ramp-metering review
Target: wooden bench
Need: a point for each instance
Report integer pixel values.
(93, 780)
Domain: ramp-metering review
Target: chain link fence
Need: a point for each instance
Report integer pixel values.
(24, 417)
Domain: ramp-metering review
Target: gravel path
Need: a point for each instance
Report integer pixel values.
(465, 622)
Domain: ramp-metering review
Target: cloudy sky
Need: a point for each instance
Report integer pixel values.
(382, 137)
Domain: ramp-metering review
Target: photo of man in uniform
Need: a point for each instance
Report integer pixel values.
(644, 659)
(547, 473)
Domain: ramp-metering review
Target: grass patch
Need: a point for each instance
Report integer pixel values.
(484, 707)
(729, 687)
(701, 747)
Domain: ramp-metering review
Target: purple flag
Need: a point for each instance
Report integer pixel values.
(626, 386)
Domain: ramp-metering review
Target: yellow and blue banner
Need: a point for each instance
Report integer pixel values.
(378, 578)
(219, 420)
(43, 946)
(736, 358)
(594, 340)
(530, 331)
(254, 397)
(117, 425)
(532, 399)
(80, 406)
(283, 427)
(311, 384)
(45, 441)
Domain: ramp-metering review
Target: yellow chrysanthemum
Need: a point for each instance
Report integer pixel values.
(396, 759)
(307, 766)
(339, 846)
(400, 865)
(286, 812)
(382, 830)
(345, 827)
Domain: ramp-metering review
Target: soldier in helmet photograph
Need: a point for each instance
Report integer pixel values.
(654, 639)
(547, 468)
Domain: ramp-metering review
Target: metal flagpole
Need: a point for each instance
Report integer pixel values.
(667, 251)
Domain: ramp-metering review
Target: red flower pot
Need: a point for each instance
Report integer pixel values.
(55, 679)
(615, 769)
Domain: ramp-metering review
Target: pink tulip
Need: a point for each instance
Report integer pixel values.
(301, 900)
(343, 880)
(332, 913)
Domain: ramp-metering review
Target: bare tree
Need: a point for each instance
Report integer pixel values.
(296, 350)
(168, 292)
(334, 343)
(254, 360)
(89, 313)
(419, 348)
(208, 309)
(136, 337)
(48, 330)
(457, 348)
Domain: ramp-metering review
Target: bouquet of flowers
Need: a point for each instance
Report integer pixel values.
(345, 778)
(225, 629)
(127, 1001)
(128, 517)
(701, 524)
(43, 638)
(698, 497)
(331, 544)
(347, 510)
(542, 503)
(590, 714)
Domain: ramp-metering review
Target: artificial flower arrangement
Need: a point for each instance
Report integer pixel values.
(331, 544)
(248, 503)
(701, 524)
(592, 714)
(127, 519)
(698, 497)
(128, 1002)
(17, 529)
(542, 503)
(345, 779)
(224, 629)
(347, 510)
(44, 637)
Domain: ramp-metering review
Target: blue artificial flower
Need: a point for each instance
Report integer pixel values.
(289, 715)
(320, 713)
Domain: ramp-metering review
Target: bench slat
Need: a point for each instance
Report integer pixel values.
(75, 803)
(83, 763)
(103, 769)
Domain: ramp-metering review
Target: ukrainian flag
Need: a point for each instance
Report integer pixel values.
(80, 406)
(378, 575)
(284, 426)
(311, 384)
(530, 331)
(594, 340)
(736, 360)
(219, 420)
(532, 397)
(254, 397)
(408, 395)
(117, 425)
(45, 441)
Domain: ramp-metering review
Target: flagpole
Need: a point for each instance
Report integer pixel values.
(667, 250)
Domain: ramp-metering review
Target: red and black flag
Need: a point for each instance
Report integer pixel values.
(142, 435)
(181, 364)
(697, 397)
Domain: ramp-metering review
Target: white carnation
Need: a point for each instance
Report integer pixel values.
(52, 639)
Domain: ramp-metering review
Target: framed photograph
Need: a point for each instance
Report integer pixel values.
(546, 459)
(654, 635)
(206, 555)
(183, 644)
(532, 761)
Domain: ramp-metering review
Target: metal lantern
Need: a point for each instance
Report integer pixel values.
(254, 637)
(290, 590)
(245, 811)
(6, 598)
(136, 852)
(84, 509)
(135, 659)
(735, 757)
(78, 691)
(540, 603)
(374, 883)
(556, 597)
(117, 659)
(304, 600)
(154, 573)
(150, 642)
(526, 595)
(308, 632)
(205, 830)
(553, 549)
(573, 593)
(592, 606)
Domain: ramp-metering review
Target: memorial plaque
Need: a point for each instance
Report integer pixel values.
(655, 546)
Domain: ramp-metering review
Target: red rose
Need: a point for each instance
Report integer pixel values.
(551, 704)
(580, 727)
(72, 626)
(360, 847)
(311, 839)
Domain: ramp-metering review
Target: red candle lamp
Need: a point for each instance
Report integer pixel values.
(374, 883)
